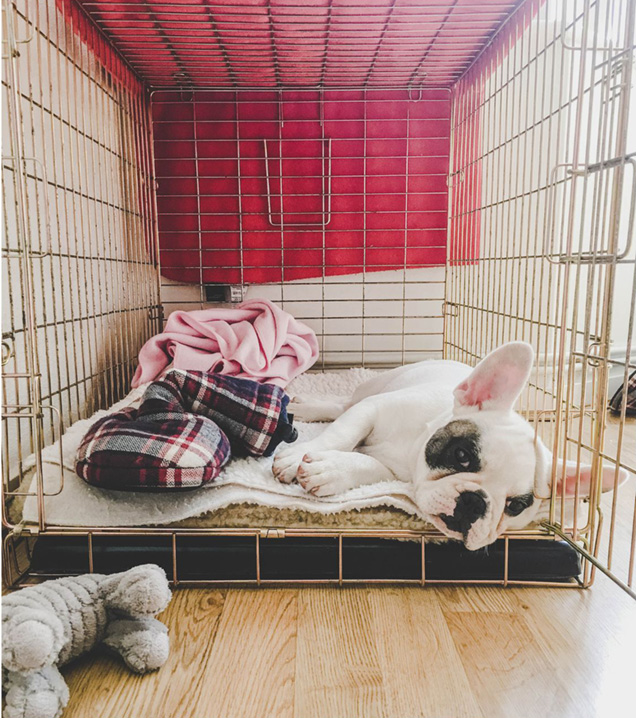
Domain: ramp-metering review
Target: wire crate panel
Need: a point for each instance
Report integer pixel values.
(282, 193)
(80, 289)
(277, 43)
(269, 557)
(257, 187)
(541, 235)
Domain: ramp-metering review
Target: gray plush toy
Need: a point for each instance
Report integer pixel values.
(47, 625)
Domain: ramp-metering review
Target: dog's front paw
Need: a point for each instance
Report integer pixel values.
(322, 473)
(287, 462)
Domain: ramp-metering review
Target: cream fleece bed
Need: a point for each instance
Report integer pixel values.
(245, 494)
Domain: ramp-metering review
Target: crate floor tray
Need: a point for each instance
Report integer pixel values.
(246, 558)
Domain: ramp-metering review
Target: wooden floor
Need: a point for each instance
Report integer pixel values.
(367, 652)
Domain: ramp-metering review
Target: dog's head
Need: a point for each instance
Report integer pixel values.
(480, 472)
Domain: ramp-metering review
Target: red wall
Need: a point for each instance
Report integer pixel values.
(389, 212)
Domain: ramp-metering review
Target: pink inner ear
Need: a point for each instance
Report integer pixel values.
(490, 385)
(570, 480)
(498, 379)
(607, 479)
(475, 394)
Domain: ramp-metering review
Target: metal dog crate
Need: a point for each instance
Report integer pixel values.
(412, 178)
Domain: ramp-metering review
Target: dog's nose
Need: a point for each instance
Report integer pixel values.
(470, 506)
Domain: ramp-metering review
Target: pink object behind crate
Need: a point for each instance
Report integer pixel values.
(256, 340)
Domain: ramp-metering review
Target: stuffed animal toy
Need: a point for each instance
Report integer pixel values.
(48, 625)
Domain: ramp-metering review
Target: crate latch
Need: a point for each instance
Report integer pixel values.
(272, 533)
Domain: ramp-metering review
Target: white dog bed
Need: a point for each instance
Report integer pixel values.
(243, 482)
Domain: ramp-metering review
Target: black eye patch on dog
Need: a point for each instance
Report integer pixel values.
(516, 504)
(455, 448)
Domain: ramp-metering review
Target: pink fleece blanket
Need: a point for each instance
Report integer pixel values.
(256, 340)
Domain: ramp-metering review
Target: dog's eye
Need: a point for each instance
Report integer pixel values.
(515, 506)
(463, 457)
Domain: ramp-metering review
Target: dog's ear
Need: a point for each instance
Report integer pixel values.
(568, 475)
(497, 381)
(610, 479)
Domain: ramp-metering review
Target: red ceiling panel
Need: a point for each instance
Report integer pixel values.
(299, 43)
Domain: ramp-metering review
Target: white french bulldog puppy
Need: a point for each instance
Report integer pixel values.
(449, 429)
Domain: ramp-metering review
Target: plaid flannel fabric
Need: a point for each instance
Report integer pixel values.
(254, 416)
(180, 437)
(158, 446)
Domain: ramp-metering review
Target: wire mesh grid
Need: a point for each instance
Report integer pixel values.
(278, 43)
(542, 207)
(332, 204)
(527, 154)
(80, 290)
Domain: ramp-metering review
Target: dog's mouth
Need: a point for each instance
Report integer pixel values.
(470, 522)
(441, 526)
(474, 537)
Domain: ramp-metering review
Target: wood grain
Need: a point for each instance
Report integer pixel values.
(475, 598)
(248, 672)
(509, 673)
(421, 668)
(394, 652)
(590, 637)
(337, 668)
(106, 685)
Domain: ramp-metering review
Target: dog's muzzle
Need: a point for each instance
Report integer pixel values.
(470, 506)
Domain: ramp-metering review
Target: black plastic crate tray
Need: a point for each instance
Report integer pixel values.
(233, 558)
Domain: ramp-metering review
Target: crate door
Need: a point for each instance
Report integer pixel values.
(540, 248)
(589, 238)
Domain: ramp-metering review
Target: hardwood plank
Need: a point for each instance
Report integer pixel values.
(103, 687)
(249, 671)
(423, 675)
(475, 598)
(509, 672)
(378, 652)
(622, 527)
(590, 636)
(337, 673)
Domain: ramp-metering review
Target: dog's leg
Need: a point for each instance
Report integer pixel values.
(346, 432)
(316, 409)
(324, 473)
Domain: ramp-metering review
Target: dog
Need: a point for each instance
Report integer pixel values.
(477, 468)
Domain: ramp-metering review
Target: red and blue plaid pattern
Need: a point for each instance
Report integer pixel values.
(184, 432)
